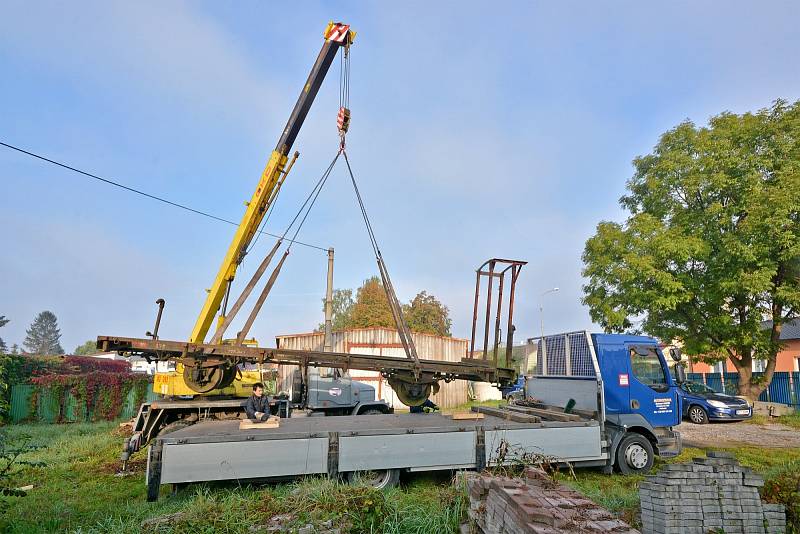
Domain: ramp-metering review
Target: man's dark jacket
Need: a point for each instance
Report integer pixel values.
(256, 404)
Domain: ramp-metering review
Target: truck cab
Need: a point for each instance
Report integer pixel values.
(625, 381)
(641, 395)
(331, 391)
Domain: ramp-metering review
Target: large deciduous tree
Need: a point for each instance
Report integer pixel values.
(426, 314)
(371, 308)
(710, 251)
(342, 309)
(43, 337)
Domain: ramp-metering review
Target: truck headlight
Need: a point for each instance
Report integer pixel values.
(717, 404)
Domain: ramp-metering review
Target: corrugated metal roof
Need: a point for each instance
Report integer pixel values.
(370, 329)
(789, 330)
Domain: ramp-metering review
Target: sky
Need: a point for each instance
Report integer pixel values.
(478, 130)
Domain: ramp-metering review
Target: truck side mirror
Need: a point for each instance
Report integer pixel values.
(680, 374)
(675, 353)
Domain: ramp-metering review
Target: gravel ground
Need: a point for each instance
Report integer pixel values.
(720, 434)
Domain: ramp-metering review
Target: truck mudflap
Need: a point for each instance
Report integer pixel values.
(669, 443)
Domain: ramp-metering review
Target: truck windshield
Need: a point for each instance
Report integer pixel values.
(647, 368)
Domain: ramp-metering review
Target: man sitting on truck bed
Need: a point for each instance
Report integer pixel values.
(257, 406)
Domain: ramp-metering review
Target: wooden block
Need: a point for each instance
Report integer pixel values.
(588, 414)
(546, 414)
(247, 424)
(507, 414)
(467, 415)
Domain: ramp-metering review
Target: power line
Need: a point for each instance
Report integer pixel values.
(144, 194)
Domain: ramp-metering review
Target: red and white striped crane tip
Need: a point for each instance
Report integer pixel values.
(338, 31)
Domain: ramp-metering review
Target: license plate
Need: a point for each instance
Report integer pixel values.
(742, 412)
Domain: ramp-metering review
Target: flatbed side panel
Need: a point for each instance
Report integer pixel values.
(359, 453)
(243, 459)
(569, 443)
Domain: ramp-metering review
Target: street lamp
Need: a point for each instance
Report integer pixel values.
(541, 308)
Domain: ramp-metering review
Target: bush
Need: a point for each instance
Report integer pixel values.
(784, 488)
(100, 385)
(11, 451)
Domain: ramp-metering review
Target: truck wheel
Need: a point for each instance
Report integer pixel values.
(180, 424)
(634, 454)
(698, 415)
(380, 479)
(371, 411)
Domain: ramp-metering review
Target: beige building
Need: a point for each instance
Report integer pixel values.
(382, 341)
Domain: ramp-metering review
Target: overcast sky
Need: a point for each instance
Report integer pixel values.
(479, 129)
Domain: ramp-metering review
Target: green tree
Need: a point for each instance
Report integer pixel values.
(3, 322)
(709, 252)
(371, 307)
(43, 337)
(426, 314)
(342, 309)
(90, 347)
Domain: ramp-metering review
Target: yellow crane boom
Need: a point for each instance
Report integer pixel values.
(336, 35)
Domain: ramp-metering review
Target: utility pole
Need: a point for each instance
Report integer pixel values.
(329, 306)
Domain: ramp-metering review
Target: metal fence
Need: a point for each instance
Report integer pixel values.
(784, 388)
(53, 405)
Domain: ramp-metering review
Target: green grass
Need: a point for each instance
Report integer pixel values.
(77, 491)
(792, 420)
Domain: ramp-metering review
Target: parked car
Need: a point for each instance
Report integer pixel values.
(702, 404)
(516, 390)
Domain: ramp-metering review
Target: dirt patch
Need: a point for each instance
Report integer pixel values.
(135, 465)
(770, 435)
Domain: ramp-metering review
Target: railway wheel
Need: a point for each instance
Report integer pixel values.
(228, 376)
(204, 379)
(413, 393)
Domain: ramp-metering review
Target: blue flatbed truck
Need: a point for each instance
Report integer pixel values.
(604, 400)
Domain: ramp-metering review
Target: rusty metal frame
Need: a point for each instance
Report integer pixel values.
(208, 355)
(491, 269)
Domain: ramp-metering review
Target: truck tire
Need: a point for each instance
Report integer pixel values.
(180, 424)
(697, 415)
(371, 411)
(379, 479)
(635, 454)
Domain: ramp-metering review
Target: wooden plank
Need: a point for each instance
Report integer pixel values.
(589, 414)
(507, 415)
(247, 424)
(467, 415)
(546, 414)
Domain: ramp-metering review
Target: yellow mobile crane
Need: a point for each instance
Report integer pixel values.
(212, 367)
(211, 381)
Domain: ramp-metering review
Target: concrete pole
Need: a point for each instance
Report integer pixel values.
(329, 305)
